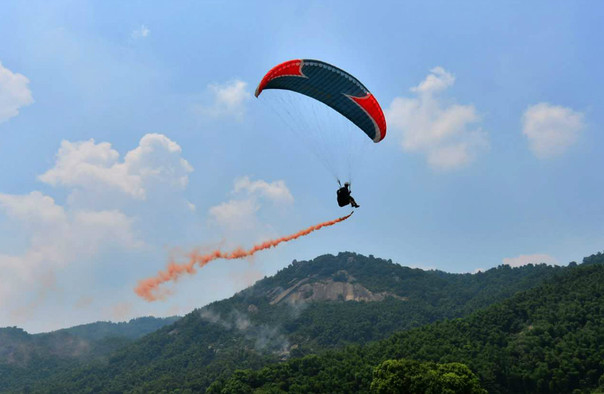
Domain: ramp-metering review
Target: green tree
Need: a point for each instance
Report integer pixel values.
(410, 377)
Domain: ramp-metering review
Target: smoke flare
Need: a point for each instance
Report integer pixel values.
(147, 288)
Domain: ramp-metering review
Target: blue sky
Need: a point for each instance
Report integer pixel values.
(129, 133)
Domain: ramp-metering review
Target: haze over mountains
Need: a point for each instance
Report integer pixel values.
(328, 307)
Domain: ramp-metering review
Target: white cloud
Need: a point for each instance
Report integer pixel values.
(235, 215)
(275, 191)
(34, 209)
(444, 133)
(439, 79)
(551, 129)
(525, 259)
(14, 93)
(240, 214)
(141, 32)
(97, 168)
(228, 100)
(92, 166)
(451, 156)
(126, 210)
(158, 159)
(56, 238)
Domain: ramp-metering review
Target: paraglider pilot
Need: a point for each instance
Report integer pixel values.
(344, 197)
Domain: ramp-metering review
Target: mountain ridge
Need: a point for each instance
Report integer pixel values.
(547, 339)
(247, 331)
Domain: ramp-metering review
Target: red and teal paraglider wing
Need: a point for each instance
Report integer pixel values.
(333, 87)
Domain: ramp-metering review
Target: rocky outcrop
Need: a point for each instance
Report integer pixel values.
(341, 287)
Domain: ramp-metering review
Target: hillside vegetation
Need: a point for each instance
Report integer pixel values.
(27, 358)
(548, 339)
(306, 308)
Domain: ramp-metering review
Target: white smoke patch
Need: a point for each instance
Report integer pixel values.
(447, 134)
(551, 129)
(14, 93)
(209, 315)
(266, 338)
(241, 320)
(270, 338)
(295, 309)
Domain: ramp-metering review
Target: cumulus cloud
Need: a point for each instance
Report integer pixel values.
(56, 238)
(14, 93)
(240, 212)
(275, 191)
(525, 259)
(235, 214)
(228, 100)
(437, 80)
(551, 129)
(447, 134)
(97, 168)
(124, 206)
(141, 32)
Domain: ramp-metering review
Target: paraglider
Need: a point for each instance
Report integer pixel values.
(338, 90)
(333, 87)
(328, 85)
(344, 197)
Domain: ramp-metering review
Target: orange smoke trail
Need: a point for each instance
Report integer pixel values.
(147, 288)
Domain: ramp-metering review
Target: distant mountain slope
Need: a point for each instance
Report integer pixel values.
(25, 357)
(133, 329)
(17, 346)
(549, 339)
(307, 307)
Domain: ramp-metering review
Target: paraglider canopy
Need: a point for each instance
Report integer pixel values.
(333, 87)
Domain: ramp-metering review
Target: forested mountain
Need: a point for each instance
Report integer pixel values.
(549, 339)
(308, 307)
(133, 329)
(25, 357)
